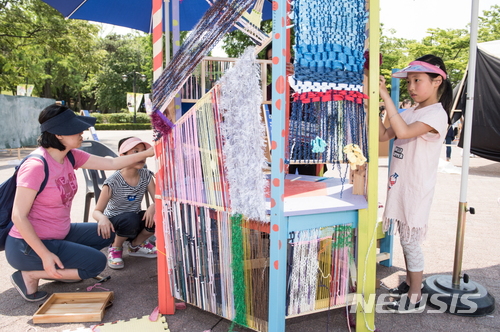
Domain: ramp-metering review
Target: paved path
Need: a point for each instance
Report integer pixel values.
(136, 291)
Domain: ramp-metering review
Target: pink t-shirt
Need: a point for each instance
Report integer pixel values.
(50, 212)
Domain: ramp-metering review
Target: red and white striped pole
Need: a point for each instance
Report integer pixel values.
(157, 38)
(166, 302)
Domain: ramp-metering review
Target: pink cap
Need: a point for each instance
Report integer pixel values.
(131, 143)
(419, 67)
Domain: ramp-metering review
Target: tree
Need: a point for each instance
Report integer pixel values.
(123, 55)
(235, 42)
(38, 46)
(394, 53)
(452, 45)
(66, 59)
(489, 25)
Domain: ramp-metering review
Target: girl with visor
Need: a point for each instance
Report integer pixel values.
(418, 132)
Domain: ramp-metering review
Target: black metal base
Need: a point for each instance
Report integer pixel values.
(470, 299)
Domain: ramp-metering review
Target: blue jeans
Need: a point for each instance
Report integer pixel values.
(448, 140)
(130, 224)
(79, 250)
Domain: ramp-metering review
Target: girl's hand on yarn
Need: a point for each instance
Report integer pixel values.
(383, 88)
(104, 228)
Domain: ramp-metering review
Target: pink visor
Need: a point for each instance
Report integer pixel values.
(131, 143)
(419, 67)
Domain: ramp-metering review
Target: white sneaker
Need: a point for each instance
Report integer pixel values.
(145, 249)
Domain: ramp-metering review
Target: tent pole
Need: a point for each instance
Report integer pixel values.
(454, 294)
(462, 207)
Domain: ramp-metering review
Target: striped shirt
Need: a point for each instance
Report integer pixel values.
(124, 197)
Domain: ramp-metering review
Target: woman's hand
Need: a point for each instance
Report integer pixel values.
(105, 227)
(50, 261)
(149, 216)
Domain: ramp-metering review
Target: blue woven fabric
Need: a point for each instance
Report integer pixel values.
(329, 40)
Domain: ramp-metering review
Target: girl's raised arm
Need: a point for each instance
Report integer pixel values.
(398, 127)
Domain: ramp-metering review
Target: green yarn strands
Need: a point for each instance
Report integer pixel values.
(238, 270)
(342, 236)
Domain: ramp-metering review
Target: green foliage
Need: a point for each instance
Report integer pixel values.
(394, 54)
(452, 45)
(114, 118)
(122, 121)
(125, 55)
(489, 24)
(235, 42)
(68, 60)
(123, 126)
(38, 46)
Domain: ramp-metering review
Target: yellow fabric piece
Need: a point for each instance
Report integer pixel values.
(354, 155)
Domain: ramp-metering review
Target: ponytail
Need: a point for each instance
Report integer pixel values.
(446, 98)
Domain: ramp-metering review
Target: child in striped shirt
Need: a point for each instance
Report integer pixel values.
(118, 209)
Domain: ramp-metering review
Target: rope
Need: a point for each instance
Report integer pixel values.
(97, 285)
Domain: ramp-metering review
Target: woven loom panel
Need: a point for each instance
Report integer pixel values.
(337, 123)
(211, 157)
(187, 157)
(318, 275)
(195, 173)
(220, 263)
(329, 44)
(307, 86)
(195, 258)
(329, 40)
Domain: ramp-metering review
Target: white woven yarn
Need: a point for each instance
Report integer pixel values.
(243, 132)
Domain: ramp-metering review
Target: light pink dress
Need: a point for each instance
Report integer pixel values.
(412, 175)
